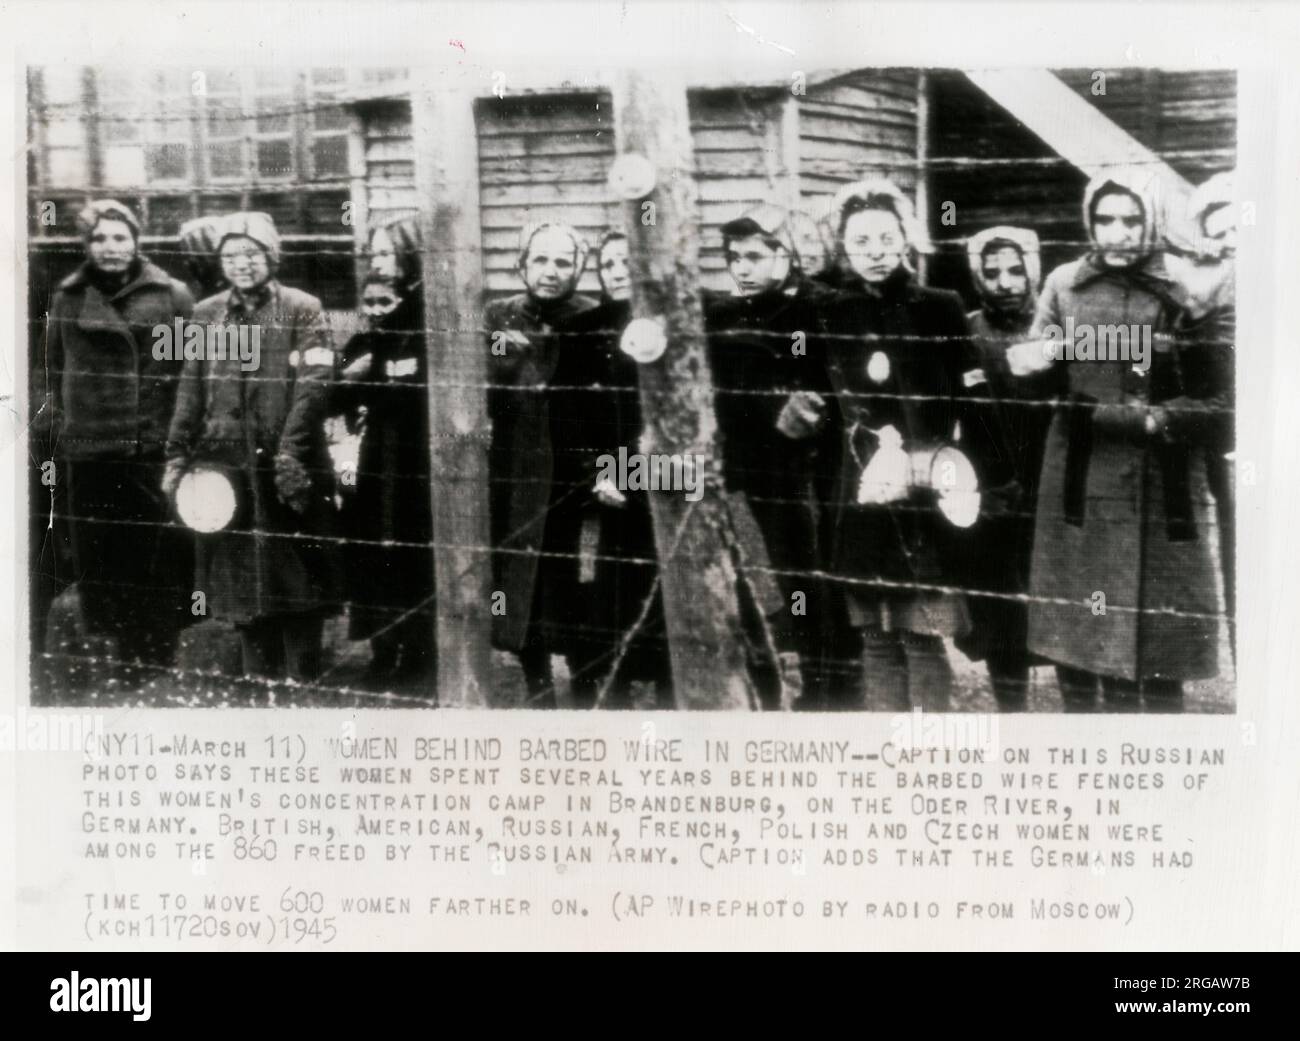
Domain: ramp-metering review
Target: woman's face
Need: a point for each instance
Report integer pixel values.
(615, 276)
(756, 265)
(244, 262)
(111, 246)
(383, 254)
(1006, 282)
(550, 268)
(378, 301)
(874, 243)
(1117, 226)
(810, 246)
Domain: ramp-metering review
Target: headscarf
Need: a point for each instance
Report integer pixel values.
(1142, 182)
(199, 243)
(1209, 278)
(1217, 192)
(531, 231)
(257, 226)
(107, 209)
(766, 219)
(580, 251)
(612, 235)
(772, 224)
(878, 193)
(1023, 240)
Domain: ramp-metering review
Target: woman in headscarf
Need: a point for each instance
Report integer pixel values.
(1014, 415)
(108, 401)
(1121, 579)
(625, 573)
(897, 365)
(1209, 330)
(264, 572)
(542, 463)
(383, 394)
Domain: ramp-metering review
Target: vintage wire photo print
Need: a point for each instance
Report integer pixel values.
(900, 504)
(830, 445)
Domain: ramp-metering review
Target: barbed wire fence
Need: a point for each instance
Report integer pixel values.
(618, 639)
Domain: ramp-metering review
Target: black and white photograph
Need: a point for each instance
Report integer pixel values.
(859, 389)
(827, 432)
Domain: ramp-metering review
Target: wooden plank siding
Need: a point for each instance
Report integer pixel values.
(860, 125)
(995, 171)
(547, 158)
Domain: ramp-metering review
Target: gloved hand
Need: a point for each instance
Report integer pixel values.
(802, 416)
(292, 483)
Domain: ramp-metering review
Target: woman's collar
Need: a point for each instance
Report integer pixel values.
(255, 298)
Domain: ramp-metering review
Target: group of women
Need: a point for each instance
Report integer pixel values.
(838, 378)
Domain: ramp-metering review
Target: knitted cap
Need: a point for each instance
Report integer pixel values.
(257, 226)
(106, 209)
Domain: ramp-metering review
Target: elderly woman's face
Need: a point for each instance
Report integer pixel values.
(874, 244)
(550, 268)
(383, 255)
(615, 276)
(111, 246)
(244, 262)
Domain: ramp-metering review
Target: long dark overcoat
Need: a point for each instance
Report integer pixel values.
(923, 337)
(267, 562)
(1121, 512)
(391, 501)
(537, 493)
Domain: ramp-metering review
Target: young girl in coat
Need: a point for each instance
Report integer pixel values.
(896, 363)
(389, 566)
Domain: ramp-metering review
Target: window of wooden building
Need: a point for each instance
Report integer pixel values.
(179, 143)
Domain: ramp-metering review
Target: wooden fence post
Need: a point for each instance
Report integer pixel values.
(691, 539)
(446, 173)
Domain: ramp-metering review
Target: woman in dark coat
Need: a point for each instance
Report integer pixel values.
(397, 253)
(896, 364)
(541, 464)
(1014, 414)
(1122, 579)
(108, 403)
(265, 573)
(626, 594)
(766, 357)
(383, 394)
